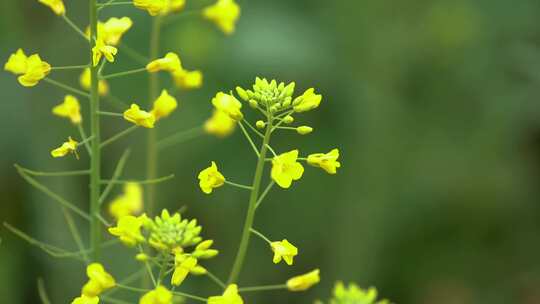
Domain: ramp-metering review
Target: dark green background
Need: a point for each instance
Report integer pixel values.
(433, 104)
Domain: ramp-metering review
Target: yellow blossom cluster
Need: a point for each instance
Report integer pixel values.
(99, 281)
(31, 69)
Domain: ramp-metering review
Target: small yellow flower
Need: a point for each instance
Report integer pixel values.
(57, 6)
(69, 146)
(210, 178)
(303, 130)
(139, 117)
(328, 162)
(128, 230)
(128, 203)
(188, 79)
(284, 250)
(285, 169)
(170, 63)
(308, 101)
(164, 105)
(184, 265)
(101, 49)
(70, 108)
(16, 63)
(153, 7)
(230, 296)
(85, 82)
(304, 282)
(113, 29)
(160, 295)
(224, 13)
(85, 300)
(99, 280)
(228, 104)
(36, 69)
(173, 6)
(220, 124)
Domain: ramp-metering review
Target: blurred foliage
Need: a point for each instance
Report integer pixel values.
(434, 105)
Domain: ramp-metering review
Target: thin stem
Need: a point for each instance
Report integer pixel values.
(216, 279)
(118, 135)
(42, 292)
(127, 280)
(281, 121)
(85, 141)
(117, 102)
(263, 288)
(125, 73)
(238, 185)
(133, 53)
(105, 113)
(246, 134)
(65, 87)
(257, 233)
(253, 128)
(113, 300)
(110, 3)
(60, 173)
(75, 27)
(179, 137)
(143, 290)
(286, 128)
(84, 138)
(142, 182)
(265, 192)
(70, 67)
(117, 172)
(271, 150)
(148, 267)
(183, 14)
(75, 233)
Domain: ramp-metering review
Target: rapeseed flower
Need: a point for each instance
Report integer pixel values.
(85, 300)
(224, 13)
(99, 280)
(328, 162)
(67, 147)
(285, 169)
(170, 63)
(230, 296)
(103, 50)
(36, 70)
(16, 63)
(57, 6)
(188, 79)
(85, 82)
(164, 105)
(228, 104)
(139, 117)
(112, 30)
(219, 124)
(283, 250)
(307, 101)
(130, 202)
(128, 230)
(210, 178)
(304, 282)
(70, 108)
(160, 295)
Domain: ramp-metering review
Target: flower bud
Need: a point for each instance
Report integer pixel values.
(260, 124)
(141, 257)
(242, 93)
(288, 119)
(253, 103)
(303, 130)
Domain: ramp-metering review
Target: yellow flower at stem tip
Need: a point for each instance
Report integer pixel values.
(170, 63)
(57, 6)
(307, 101)
(164, 105)
(36, 69)
(284, 250)
(210, 178)
(16, 63)
(101, 49)
(128, 230)
(160, 295)
(228, 104)
(153, 7)
(139, 117)
(85, 300)
(70, 108)
(224, 13)
(328, 162)
(85, 82)
(184, 265)
(130, 202)
(285, 169)
(230, 296)
(188, 79)
(67, 147)
(99, 280)
(219, 124)
(304, 282)
(113, 29)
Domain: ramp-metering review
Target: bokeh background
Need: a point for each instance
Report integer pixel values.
(434, 105)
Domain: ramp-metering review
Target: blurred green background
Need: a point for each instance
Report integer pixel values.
(434, 106)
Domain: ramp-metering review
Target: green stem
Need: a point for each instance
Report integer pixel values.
(246, 134)
(42, 292)
(61, 173)
(141, 182)
(263, 288)
(66, 87)
(216, 279)
(238, 185)
(118, 135)
(179, 137)
(257, 233)
(250, 215)
(105, 113)
(125, 73)
(136, 56)
(265, 192)
(84, 138)
(70, 67)
(117, 172)
(75, 28)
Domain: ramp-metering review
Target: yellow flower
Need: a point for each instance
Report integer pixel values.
(170, 63)
(228, 104)
(153, 7)
(224, 13)
(230, 296)
(284, 250)
(188, 79)
(328, 162)
(36, 69)
(308, 101)
(304, 282)
(69, 146)
(128, 229)
(101, 49)
(160, 295)
(285, 169)
(164, 105)
(303, 130)
(85, 82)
(99, 280)
(85, 300)
(173, 6)
(128, 203)
(210, 178)
(139, 117)
(70, 108)
(113, 29)
(16, 63)
(184, 265)
(220, 124)
(57, 6)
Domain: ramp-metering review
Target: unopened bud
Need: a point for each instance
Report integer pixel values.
(288, 119)
(303, 130)
(260, 124)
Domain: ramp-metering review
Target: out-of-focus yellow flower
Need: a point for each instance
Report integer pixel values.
(354, 294)
(224, 13)
(304, 282)
(85, 300)
(210, 178)
(173, 6)
(128, 230)
(219, 124)
(307, 101)
(16, 63)
(57, 6)
(85, 82)
(184, 265)
(112, 30)
(170, 63)
(101, 49)
(229, 105)
(160, 295)
(36, 69)
(285, 169)
(164, 105)
(99, 280)
(128, 203)
(284, 250)
(69, 146)
(139, 117)
(153, 7)
(70, 108)
(188, 79)
(230, 296)
(328, 162)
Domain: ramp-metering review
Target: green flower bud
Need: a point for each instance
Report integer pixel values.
(253, 103)
(242, 93)
(288, 119)
(287, 101)
(260, 124)
(303, 130)
(289, 89)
